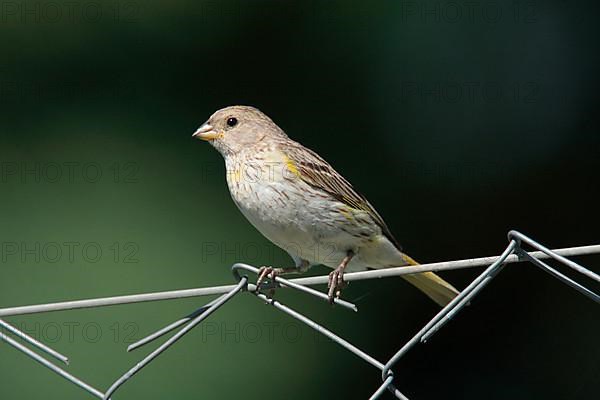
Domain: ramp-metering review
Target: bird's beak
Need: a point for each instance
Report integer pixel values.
(206, 132)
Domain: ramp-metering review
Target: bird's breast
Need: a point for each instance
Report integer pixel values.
(261, 190)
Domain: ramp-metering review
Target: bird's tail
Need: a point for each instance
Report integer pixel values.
(432, 285)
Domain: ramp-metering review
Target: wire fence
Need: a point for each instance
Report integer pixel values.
(514, 252)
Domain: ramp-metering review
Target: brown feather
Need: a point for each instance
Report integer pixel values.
(318, 173)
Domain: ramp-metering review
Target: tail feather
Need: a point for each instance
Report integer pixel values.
(432, 285)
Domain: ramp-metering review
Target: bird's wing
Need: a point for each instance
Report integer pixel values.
(316, 172)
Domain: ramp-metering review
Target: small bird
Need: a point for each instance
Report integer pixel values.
(304, 206)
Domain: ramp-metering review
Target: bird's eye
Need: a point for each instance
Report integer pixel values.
(232, 121)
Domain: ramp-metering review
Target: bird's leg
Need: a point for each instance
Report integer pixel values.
(336, 277)
(266, 272)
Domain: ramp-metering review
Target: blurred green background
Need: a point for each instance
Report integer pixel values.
(459, 121)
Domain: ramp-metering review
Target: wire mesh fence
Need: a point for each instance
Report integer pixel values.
(514, 252)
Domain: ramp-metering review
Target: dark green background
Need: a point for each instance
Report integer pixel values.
(458, 127)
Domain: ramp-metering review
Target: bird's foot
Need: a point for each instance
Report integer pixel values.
(268, 273)
(336, 284)
(265, 273)
(336, 278)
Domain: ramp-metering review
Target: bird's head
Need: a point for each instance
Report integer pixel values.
(232, 129)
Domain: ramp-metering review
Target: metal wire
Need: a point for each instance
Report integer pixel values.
(447, 312)
(557, 255)
(138, 367)
(310, 281)
(326, 332)
(170, 327)
(513, 253)
(33, 342)
(58, 370)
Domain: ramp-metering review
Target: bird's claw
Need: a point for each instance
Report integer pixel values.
(265, 273)
(336, 284)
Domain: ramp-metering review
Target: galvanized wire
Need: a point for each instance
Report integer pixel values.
(35, 343)
(513, 253)
(309, 281)
(138, 367)
(48, 364)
